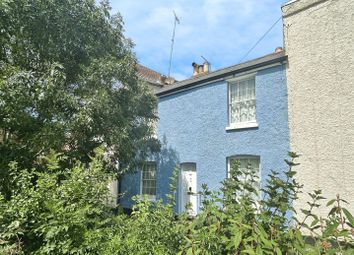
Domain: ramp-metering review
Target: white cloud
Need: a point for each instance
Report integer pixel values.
(220, 30)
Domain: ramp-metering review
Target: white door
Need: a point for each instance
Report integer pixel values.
(188, 188)
(113, 192)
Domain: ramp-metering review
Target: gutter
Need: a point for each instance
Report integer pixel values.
(220, 75)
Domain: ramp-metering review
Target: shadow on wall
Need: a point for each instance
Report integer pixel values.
(166, 160)
(130, 184)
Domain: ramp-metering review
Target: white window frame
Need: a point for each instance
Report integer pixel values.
(242, 157)
(149, 197)
(245, 124)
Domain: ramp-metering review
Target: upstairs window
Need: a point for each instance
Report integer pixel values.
(242, 103)
(148, 180)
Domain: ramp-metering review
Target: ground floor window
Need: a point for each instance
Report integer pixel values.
(148, 180)
(246, 163)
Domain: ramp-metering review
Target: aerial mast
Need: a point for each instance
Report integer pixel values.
(176, 20)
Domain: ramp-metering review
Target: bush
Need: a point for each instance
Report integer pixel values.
(64, 212)
(54, 212)
(238, 224)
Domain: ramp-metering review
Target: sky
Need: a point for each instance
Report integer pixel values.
(222, 31)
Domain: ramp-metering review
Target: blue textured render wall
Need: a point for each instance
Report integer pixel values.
(166, 161)
(192, 129)
(129, 187)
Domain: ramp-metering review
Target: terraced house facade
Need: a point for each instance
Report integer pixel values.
(298, 99)
(239, 112)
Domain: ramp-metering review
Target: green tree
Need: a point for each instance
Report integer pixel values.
(57, 211)
(68, 83)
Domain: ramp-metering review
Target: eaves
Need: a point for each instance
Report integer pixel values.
(222, 74)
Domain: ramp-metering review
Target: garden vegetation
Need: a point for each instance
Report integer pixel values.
(64, 211)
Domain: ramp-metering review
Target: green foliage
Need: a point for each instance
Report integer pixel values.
(64, 211)
(235, 220)
(68, 83)
(151, 229)
(334, 233)
(54, 212)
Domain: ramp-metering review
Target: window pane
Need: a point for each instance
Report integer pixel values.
(148, 181)
(244, 162)
(242, 101)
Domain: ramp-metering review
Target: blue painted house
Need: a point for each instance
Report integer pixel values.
(239, 112)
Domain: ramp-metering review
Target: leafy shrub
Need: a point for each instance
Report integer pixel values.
(63, 211)
(151, 229)
(54, 212)
(235, 223)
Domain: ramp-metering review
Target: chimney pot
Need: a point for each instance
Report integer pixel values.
(278, 49)
(195, 69)
(163, 79)
(206, 67)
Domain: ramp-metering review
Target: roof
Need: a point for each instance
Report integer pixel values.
(222, 73)
(289, 2)
(153, 77)
(296, 6)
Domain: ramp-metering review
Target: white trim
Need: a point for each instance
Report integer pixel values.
(242, 125)
(151, 198)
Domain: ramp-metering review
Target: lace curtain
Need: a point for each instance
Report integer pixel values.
(243, 101)
(149, 179)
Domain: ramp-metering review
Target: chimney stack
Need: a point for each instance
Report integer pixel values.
(200, 69)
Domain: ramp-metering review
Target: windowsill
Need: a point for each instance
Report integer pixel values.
(242, 126)
(151, 198)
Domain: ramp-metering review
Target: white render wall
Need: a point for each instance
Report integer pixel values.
(319, 42)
